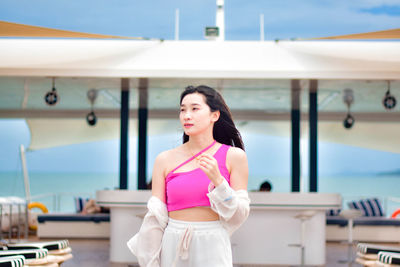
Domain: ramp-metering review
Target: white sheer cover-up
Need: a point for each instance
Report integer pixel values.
(146, 244)
(232, 206)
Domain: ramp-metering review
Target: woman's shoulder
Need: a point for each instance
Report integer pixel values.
(162, 156)
(235, 154)
(166, 160)
(166, 155)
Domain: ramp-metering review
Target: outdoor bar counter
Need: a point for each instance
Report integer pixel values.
(271, 235)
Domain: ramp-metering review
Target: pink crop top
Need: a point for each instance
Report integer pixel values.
(189, 189)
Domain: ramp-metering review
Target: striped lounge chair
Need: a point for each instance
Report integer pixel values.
(58, 251)
(14, 261)
(387, 259)
(367, 254)
(33, 257)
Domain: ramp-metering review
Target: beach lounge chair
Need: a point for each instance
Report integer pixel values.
(75, 225)
(58, 251)
(367, 254)
(388, 259)
(372, 226)
(14, 261)
(33, 257)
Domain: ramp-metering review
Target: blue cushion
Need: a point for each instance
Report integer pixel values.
(336, 220)
(97, 218)
(373, 221)
(333, 212)
(370, 207)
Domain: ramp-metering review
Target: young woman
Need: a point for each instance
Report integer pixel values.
(199, 189)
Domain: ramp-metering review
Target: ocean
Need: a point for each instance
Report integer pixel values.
(57, 190)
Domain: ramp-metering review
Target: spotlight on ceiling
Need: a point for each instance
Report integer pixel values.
(51, 97)
(389, 101)
(91, 117)
(348, 121)
(348, 99)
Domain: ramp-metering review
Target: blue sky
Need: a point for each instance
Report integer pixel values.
(155, 18)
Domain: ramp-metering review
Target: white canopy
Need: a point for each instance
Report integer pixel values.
(200, 59)
(329, 60)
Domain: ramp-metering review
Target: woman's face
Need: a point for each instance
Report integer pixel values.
(195, 115)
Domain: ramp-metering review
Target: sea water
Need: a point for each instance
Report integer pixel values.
(57, 190)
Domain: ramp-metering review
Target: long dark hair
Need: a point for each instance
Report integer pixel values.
(224, 130)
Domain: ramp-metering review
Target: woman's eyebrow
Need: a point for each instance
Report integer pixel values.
(192, 104)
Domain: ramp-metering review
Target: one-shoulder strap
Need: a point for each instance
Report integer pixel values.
(191, 158)
(220, 155)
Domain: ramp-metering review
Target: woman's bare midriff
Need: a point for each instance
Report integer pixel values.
(195, 214)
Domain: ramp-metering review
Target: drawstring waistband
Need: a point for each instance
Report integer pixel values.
(188, 228)
(182, 250)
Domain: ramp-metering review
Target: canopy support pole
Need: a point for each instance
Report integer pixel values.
(313, 122)
(123, 165)
(142, 134)
(295, 120)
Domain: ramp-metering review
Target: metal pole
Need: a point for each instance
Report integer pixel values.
(1, 221)
(26, 222)
(10, 226)
(261, 27)
(123, 170)
(177, 24)
(19, 221)
(142, 132)
(313, 122)
(295, 119)
(26, 176)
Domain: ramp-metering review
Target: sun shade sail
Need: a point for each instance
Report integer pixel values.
(9, 29)
(386, 34)
(47, 133)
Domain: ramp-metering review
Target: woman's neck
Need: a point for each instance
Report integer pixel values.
(197, 143)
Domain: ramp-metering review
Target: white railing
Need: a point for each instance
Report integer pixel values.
(57, 199)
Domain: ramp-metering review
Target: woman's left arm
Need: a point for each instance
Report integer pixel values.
(232, 202)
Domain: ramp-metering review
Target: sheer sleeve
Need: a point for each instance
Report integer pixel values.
(146, 244)
(232, 206)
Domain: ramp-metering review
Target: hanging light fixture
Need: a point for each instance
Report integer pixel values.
(91, 117)
(348, 99)
(389, 101)
(51, 98)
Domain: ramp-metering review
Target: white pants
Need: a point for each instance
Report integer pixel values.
(195, 244)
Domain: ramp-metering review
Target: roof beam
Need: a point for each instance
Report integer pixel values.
(172, 114)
